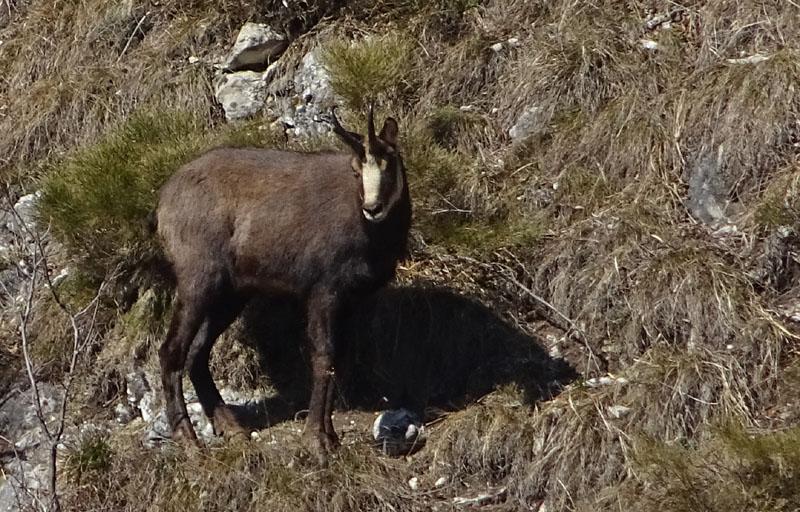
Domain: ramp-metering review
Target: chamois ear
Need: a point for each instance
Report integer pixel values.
(389, 132)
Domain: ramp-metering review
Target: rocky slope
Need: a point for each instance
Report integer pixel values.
(601, 304)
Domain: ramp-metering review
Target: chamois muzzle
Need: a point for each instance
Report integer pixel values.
(374, 211)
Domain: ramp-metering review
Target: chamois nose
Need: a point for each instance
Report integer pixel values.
(373, 210)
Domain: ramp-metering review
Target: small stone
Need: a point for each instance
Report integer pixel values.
(440, 481)
(193, 60)
(255, 436)
(497, 47)
(649, 44)
(530, 121)
(618, 411)
(124, 414)
(414, 483)
(513, 42)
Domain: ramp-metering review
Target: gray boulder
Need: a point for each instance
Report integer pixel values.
(242, 94)
(312, 97)
(257, 46)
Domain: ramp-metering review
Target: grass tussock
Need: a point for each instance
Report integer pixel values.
(364, 71)
(764, 467)
(98, 200)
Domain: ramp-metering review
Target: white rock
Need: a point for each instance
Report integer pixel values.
(440, 481)
(618, 411)
(26, 207)
(649, 44)
(497, 47)
(513, 41)
(530, 121)
(413, 483)
(242, 94)
(193, 60)
(124, 414)
(147, 406)
(256, 46)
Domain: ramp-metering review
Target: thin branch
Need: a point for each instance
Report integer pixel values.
(133, 34)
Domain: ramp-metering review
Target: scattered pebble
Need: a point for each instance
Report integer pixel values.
(513, 41)
(497, 47)
(618, 411)
(413, 483)
(649, 44)
(440, 482)
(753, 59)
(193, 60)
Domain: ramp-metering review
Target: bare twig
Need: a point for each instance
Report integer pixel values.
(80, 340)
(133, 34)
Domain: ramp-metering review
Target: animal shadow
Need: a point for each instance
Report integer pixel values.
(425, 349)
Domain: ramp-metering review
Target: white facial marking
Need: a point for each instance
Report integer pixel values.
(372, 176)
(371, 180)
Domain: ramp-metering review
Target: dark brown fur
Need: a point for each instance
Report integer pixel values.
(235, 222)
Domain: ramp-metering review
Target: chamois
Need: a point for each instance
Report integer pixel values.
(321, 227)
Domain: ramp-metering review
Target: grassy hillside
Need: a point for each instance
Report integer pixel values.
(685, 393)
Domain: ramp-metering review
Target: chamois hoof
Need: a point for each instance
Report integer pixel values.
(226, 425)
(323, 444)
(183, 434)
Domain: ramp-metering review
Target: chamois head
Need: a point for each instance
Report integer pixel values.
(377, 164)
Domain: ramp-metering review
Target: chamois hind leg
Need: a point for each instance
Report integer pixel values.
(321, 307)
(185, 323)
(219, 317)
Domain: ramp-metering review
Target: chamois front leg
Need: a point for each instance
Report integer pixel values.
(321, 308)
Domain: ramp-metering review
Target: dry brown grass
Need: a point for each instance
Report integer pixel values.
(589, 212)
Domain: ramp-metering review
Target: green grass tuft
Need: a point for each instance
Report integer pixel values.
(97, 200)
(89, 459)
(448, 124)
(733, 470)
(480, 237)
(365, 70)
